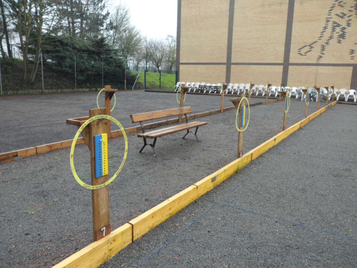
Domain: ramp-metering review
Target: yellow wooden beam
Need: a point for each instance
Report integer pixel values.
(160, 213)
(100, 251)
(264, 147)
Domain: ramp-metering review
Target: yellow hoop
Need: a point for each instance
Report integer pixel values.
(178, 98)
(115, 99)
(237, 114)
(307, 101)
(287, 106)
(97, 117)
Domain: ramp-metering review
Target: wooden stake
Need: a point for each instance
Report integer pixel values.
(251, 86)
(108, 94)
(319, 96)
(223, 97)
(305, 91)
(182, 96)
(240, 148)
(327, 95)
(281, 88)
(267, 92)
(100, 198)
(285, 114)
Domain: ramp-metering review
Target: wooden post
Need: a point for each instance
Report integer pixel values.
(240, 148)
(285, 114)
(319, 96)
(182, 96)
(267, 92)
(251, 86)
(305, 91)
(281, 88)
(223, 97)
(327, 95)
(100, 197)
(108, 94)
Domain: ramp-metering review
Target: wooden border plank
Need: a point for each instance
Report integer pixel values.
(264, 147)
(160, 213)
(27, 152)
(100, 251)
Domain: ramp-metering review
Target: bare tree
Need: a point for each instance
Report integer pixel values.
(170, 58)
(119, 22)
(5, 31)
(21, 11)
(129, 42)
(158, 52)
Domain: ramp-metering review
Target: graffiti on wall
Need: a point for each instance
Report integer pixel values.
(337, 28)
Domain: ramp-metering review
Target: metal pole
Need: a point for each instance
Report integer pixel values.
(160, 80)
(0, 79)
(125, 78)
(75, 73)
(102, 72)
(42, 73)
(145, 79)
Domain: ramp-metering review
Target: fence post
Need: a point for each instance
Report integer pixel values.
(145, 79)
(160, 79)
(42, 73)
(0, 79)
(75, 73)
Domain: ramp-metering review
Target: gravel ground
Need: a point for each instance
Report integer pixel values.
(58, 219)
(41, 119)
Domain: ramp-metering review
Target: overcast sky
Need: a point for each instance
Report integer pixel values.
(154, 18)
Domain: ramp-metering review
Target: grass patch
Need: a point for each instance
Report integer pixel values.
(167, 80)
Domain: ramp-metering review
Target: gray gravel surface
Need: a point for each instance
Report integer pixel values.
(58, 217)
(28, 121)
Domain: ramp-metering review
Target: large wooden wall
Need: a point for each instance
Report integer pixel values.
(297, 42)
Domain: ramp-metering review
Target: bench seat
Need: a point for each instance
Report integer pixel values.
(169, 130)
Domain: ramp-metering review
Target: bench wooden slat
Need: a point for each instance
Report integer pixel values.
(162, 132)
(159, 114)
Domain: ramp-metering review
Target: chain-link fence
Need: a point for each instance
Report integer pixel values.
(162, 80)
(49, 79)
(76, 78)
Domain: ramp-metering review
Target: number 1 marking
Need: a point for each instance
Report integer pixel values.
(104, 231)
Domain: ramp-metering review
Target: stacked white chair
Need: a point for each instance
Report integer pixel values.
(260, 90)
(341, 92)
(351, 93)
(235, 89)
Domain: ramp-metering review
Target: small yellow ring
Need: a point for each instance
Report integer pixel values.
(97, 117)
(237, 114)
(115, 99)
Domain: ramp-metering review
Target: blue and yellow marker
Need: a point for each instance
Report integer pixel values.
(243, 115)
(101, 154)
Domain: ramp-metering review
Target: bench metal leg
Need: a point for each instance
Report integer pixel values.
(187, 132)
(150, 144)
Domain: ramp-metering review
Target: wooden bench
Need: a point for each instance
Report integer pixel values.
(142, 117)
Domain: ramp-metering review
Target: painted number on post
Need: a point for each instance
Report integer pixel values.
(104, 231)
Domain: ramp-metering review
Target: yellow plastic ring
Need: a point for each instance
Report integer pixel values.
(307, 101)
(237, 114)
(97, 117)
(177, 94)
(115, 99)
(287, 102)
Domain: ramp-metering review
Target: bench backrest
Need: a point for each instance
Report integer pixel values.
(159, 114)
